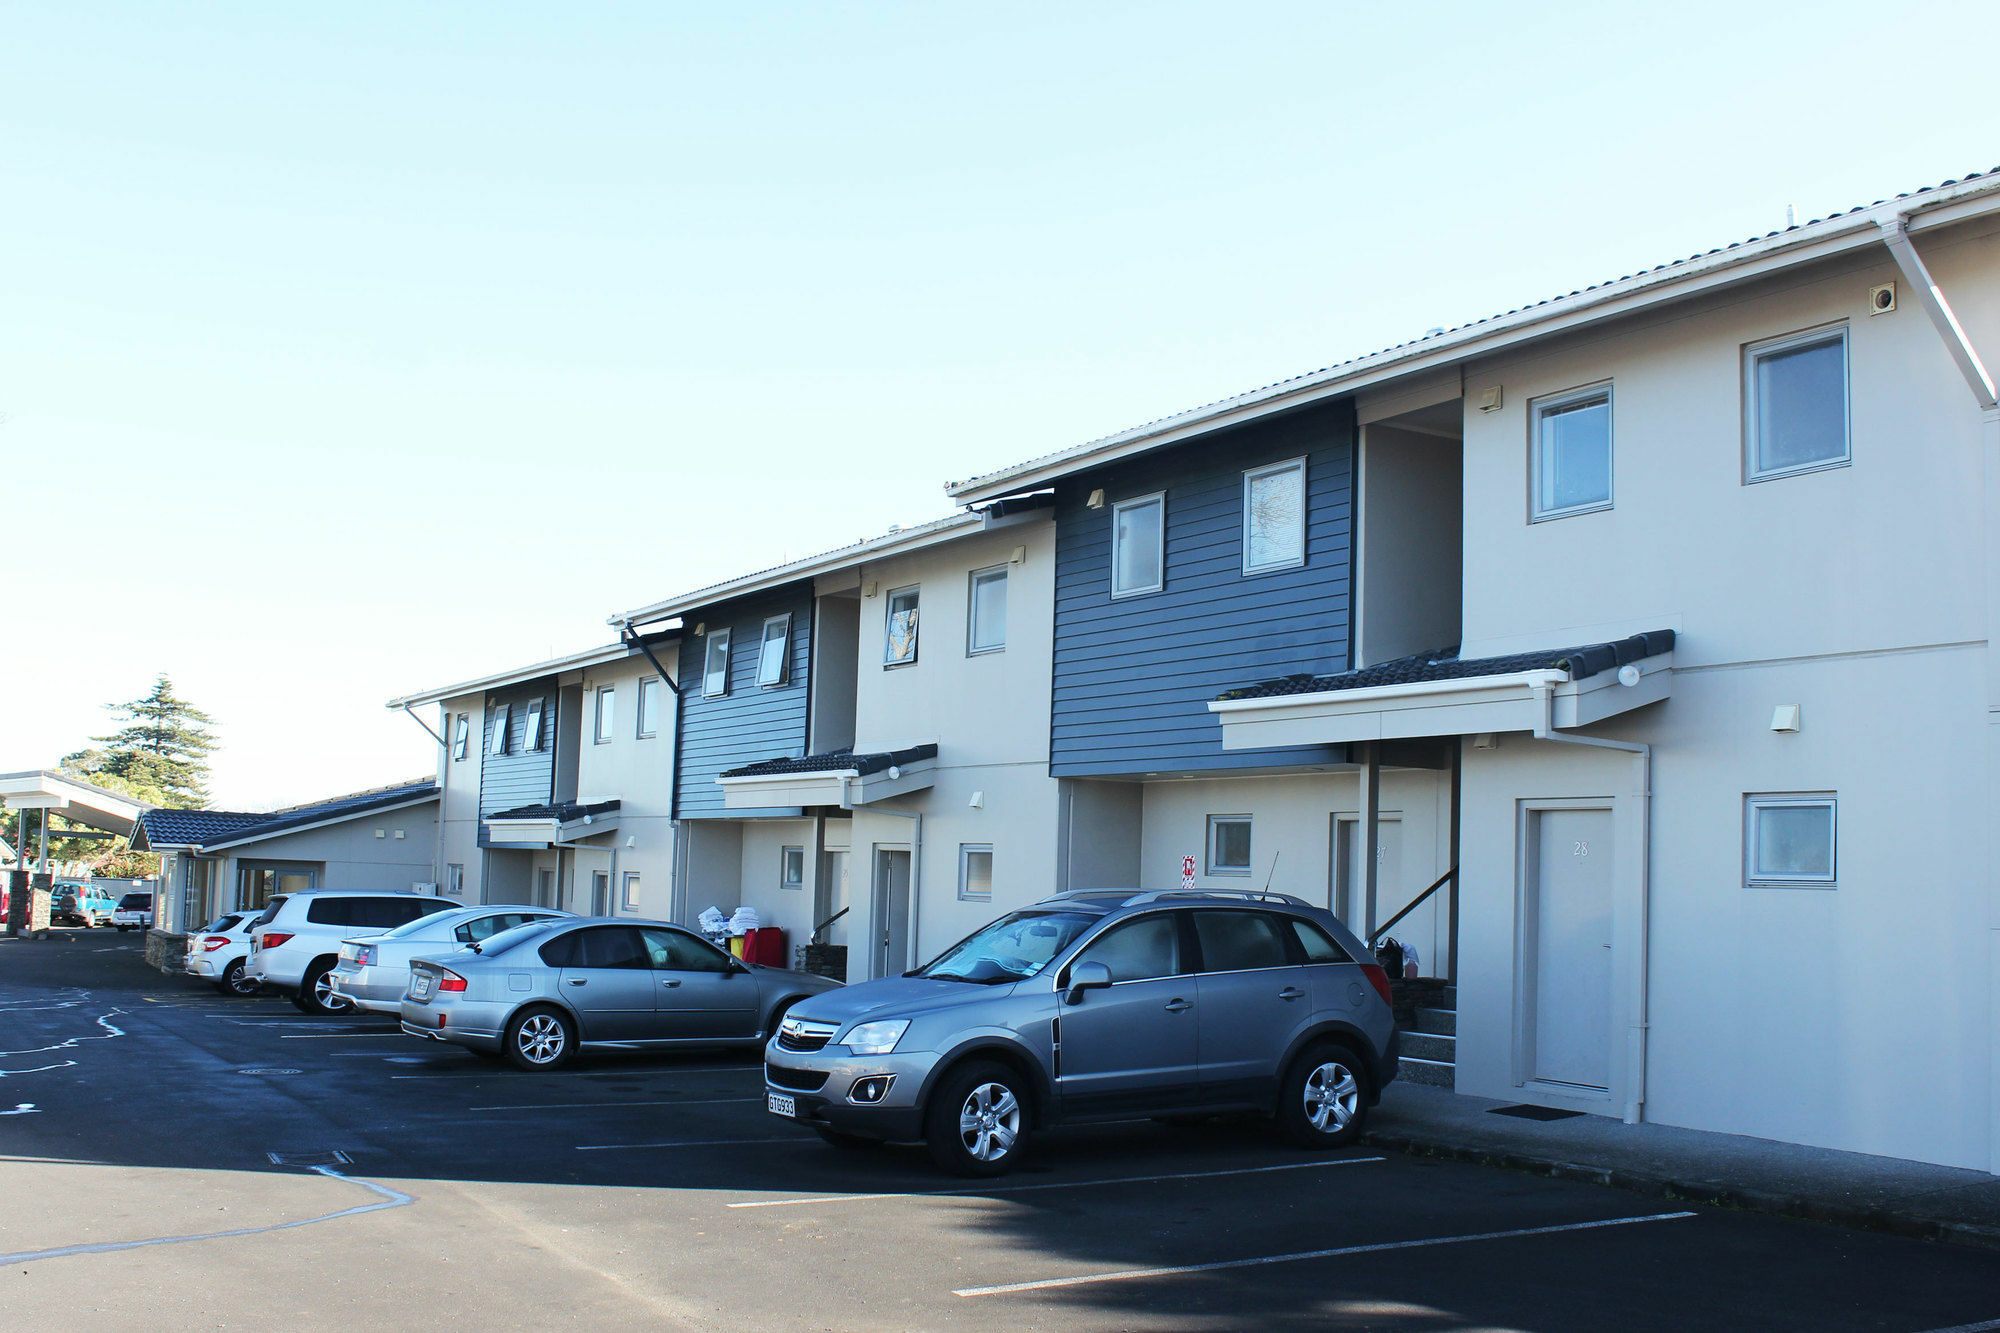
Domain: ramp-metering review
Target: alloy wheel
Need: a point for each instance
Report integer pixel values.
(323, 992)
(240, 981)
(989, 1122)
(1332, 1096)
(540, 1039)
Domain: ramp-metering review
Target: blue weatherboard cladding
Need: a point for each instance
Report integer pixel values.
(1133, 676)
(752, 722)
(517, 778)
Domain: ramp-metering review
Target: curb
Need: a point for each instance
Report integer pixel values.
(1804, 1207)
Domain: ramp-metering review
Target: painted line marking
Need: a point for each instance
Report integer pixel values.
(962, 1192)
(698, 1143)
(332, 1036)
(599, 1106)
(390, 1199)
(1985, 1326)
(598, 1073)
(1177, 1269)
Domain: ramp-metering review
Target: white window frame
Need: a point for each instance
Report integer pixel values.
(503, 714)
(1159, 584)
(966, 851)
(1768, 800)
(1757, 351)
(785, 877)
(1539, 410)
(974, 648)
(1215, 822)
(454, 879)
(718, 641)
(461, 738)
(1251, 475)
(629, 889)
(531, 732)
(915, 593)
(604, 721)
(765, 677)
(648, 701)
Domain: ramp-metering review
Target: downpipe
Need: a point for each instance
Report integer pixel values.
(1637, 1032)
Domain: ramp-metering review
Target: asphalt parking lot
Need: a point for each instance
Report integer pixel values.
(414, 1183)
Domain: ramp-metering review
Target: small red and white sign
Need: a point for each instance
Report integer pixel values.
(1187, 872)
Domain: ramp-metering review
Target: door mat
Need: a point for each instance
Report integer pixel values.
(1533, 1112)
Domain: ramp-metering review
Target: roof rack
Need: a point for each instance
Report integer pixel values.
(1132, 897)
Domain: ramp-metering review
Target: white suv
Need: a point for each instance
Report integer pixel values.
(296, 942)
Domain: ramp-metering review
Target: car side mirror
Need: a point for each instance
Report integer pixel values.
(1086, 977)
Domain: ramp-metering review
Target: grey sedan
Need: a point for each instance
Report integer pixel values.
(539, 993)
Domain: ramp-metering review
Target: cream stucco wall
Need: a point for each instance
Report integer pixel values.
(458, 781)
(638, 772)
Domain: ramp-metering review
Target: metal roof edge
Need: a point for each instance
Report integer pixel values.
(589, 657)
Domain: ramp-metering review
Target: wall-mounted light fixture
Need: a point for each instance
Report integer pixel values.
(1628, 675)
(380, 834)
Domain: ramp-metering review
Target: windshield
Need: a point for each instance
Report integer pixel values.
(507, 939)
(1015, 947)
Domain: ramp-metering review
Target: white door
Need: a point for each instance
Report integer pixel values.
(1569, 946)
(1351, 885)
(892, 912)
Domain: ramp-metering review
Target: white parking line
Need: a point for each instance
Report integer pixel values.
(1985, 1326)
(330, 1036)
(1053, 1184)
(698, 1143)
(1335, 1253)
(599, 1073)
(598, 1106)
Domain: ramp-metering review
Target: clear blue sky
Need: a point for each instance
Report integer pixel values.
(351, 349)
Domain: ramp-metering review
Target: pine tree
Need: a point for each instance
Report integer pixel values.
(162, 748)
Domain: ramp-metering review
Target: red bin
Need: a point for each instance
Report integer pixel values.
(765, 945)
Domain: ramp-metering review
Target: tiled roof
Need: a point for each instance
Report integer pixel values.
(1580, 662)
(563, 812)
(1436, 336)
(205, 828)
(836, 761)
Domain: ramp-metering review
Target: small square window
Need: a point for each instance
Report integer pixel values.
(1789, 840)
(649, 707)
(986, 621)
(773, 656)
(1229, 844)
(631, 888)
(454, 880)
(1138, 545)
(792, 868)
(531, 733)
(461, 737)
(1570, 467)
(1274, 517)
(975, 872)
(899, 637)
(607, 712)
(502, 715)
(1795, 404)
(715, 668)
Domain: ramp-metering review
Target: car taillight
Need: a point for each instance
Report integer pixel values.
(365, 955)
(1379, 980)
(451, 981)
(272, 938)
(214, 942)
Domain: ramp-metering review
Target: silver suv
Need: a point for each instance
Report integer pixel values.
(1098, 1005)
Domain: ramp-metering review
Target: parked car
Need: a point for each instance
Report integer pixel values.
(541, 992)
(295, 941)
(374, 970)
(73, 903)
(134, 912)
(1167, 1004)
(220, 952)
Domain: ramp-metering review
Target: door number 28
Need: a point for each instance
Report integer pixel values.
(1580, 849)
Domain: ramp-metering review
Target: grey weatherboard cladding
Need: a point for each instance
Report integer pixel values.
(751, 723)
(507, 781)
(1133, 676)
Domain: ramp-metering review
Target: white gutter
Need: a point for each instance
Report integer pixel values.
(589, 657)
(1531, 680)
(1637, 1030)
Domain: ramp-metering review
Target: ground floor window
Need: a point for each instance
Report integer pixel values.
(1229, 844)
(454, 880)
(975, 872)
(1789, 839)
(631, 888)
(792, 868)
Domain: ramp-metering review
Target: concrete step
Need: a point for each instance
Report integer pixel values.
(1451, 997)
(1430, 1046)
(1434, 1073)
(1442, 1022)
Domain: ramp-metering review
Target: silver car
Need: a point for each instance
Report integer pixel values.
(373, 971)
(540, 992)
(1100, 1005)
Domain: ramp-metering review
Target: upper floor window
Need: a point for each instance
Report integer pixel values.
(986, 616)
(773, 657)
(607, 712)
(1788, 840)
(899, 639)
(1795, 409)
(1570, 464)
(649, 707)
(461, 736)
(502, 714)
(531, 734)
(1138, 549)
(1274, 517)
(715, 666)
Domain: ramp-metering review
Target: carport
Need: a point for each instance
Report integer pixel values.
(80, 804)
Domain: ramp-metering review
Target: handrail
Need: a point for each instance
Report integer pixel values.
(1382, 929)
(829, 921)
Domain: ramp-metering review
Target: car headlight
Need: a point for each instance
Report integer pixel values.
(876, 1038)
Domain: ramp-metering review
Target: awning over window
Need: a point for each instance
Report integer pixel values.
(557, 824)
(836, 778)
(1443, 694)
